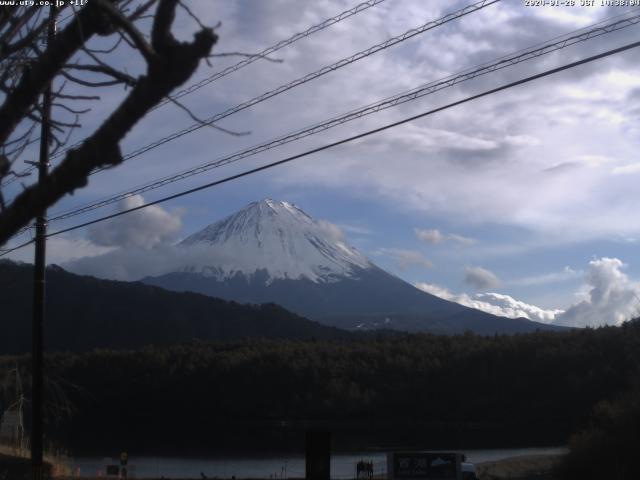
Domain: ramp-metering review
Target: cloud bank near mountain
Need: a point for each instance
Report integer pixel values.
(609, 298)
(144, 228)
(494, 303)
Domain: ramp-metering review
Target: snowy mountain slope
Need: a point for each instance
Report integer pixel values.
(279, 238)
(272, 251)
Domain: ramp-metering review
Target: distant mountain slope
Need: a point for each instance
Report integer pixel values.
(373, 300)
(84, 313)
(272, 251)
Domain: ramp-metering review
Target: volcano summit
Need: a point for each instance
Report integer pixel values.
(272, 251)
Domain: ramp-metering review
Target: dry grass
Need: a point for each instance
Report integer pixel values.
(529, 467)
(14, 459)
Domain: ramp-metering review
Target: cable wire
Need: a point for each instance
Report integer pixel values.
(340, 142)
(389, 102)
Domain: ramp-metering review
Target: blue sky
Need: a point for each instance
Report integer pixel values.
(523, 193)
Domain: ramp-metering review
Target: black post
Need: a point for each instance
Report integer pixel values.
(318, 455)
(37, 405)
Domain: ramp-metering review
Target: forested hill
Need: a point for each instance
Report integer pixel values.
(422, 391)
(84, 313)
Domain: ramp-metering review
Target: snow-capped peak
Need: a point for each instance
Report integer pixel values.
(280, 238)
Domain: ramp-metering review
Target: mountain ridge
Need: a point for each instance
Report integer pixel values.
(272, 251)
(83, 313)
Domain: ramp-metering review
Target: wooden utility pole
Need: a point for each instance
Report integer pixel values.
(37, 404)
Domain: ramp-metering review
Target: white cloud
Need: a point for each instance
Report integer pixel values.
(61, 249)
(489, 161)
(435, 236)
(594, 161)
(627, 169)
(355, 229)
(461, 239)
(145, 228)
(480, 278)
(511, 307)
(439, 291)
(134, 263)
(494, 303)
(421, 139)
(332, 230)
(554, 277)
(611, 297)
(522, 140)
(430, 236)
(483, 162)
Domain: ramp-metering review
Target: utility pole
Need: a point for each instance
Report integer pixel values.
(37, 404)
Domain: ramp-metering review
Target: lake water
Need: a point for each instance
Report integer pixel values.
(275, 467)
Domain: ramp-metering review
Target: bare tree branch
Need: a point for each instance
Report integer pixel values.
(76, 97)
(173, 64)
(105, 50)
(141, 10)
(69, 109)
(204, 122)
(120, 77)
(136, 36)
(35, 78)
(89, 83)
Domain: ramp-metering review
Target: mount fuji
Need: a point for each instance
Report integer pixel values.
(272, 251)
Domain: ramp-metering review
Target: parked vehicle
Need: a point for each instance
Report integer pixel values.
(468, 471)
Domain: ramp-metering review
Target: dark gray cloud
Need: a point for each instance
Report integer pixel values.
(480, 278)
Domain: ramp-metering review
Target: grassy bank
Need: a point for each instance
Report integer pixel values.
(15, 464)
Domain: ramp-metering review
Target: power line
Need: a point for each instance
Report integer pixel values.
(343, 141)
(307, 78)
(316, 74)
(272, 49)
(393, 101)
(243, 63)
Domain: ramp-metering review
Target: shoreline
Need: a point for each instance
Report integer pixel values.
(519, 467)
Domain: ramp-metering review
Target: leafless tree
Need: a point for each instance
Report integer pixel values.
(80, 57)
